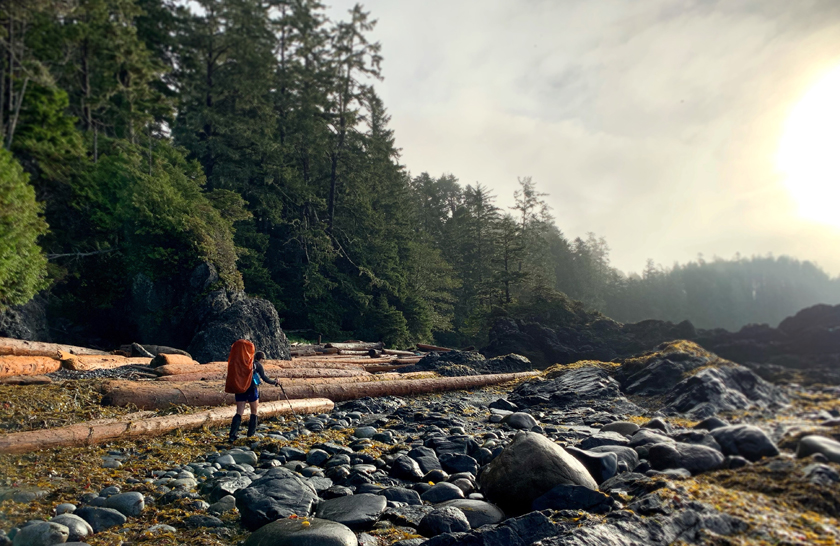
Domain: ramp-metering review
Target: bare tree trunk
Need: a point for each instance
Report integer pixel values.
(138, 425)
(19, 347)
(157, 395)
(28, 365)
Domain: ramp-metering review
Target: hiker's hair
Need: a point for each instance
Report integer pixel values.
(259, 355)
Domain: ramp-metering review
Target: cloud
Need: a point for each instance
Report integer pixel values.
(652, 123)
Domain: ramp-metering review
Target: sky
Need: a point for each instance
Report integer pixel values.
(653, 123)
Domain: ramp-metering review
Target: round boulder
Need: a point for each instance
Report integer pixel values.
(302, 532)
(528, 468)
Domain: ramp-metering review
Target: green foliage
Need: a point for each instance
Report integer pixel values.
(22, 263)
(162, 222)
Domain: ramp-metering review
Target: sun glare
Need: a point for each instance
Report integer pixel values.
(809, 151)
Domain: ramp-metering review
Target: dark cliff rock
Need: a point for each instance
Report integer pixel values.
(28, 321)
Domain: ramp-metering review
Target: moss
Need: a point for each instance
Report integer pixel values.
(559, 369)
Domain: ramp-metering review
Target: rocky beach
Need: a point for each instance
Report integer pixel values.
(675, 445)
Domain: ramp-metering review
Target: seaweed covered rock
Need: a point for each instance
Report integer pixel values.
(725, 388)
(589, 386)
(279, 493)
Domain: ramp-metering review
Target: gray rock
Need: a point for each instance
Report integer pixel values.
(365, 432)
(279, 493)
(604, 438)
(45, 533)
(200, 520)
(520, 420)
(478, 512)
(358, 512)
(458, 462)
(528, 468)
(601, 466)
(65, 508)
(222, 487)
(302, 532)
(401, 494)
(317, 457)
(161, 528)
(447, 519)
(442, 492)
(625, 428)
(101, 518)
(244, 457)
(224, 504)
(77, 527)
(252, 318)
(694, 458)
(129, 504)
(748, 441)
(627, 456)
(406, 468)
(573, 497)
(808, 445)
(426, 458)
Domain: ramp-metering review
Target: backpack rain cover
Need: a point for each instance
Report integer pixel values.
(240, 367)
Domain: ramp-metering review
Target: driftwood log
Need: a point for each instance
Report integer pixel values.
(84, 363)
(170, 359)
(140, 424)
(28, 365)
(272, 372)
(159, 395)
(429, 348)
(355, 346)
(183, 378)
(394, 352)
(20, 347)
(216, 367)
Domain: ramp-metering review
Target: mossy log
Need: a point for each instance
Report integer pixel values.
(140, 424)
(84, 363)
(28, 365)
(159, 395)
(216, 367)
(19, 347)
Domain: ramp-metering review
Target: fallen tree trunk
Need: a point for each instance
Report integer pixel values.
(25, 380)
(270, 371)
(84, 363)
(429, 348)
(187, 378)
(170, 359)
(19, 347)
(394, 352)
(355, 346)
(216, 367)
(157, 395)
(376, 368)
(139, 425)
(28, 365)
(348, 352)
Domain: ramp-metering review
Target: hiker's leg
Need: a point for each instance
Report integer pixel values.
(240, 408)
(252, 423)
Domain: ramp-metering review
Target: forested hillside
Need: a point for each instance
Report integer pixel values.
(248, 134)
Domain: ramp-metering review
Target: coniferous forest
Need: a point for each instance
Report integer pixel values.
(149, 136)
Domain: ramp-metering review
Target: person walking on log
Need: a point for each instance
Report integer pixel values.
(245, 372)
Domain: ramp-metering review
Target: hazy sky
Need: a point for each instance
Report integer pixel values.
(653, 123)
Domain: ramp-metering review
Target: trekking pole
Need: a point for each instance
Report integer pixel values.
(297, 421)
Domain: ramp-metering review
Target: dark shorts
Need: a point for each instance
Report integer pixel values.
(250, 395)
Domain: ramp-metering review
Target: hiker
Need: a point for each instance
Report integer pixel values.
(245, 372)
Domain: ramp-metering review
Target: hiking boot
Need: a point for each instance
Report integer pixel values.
(252, 425)
(234, 427)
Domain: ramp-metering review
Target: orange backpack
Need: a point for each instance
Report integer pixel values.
(240, 370)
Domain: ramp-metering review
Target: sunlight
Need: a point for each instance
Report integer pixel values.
(809, 151)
